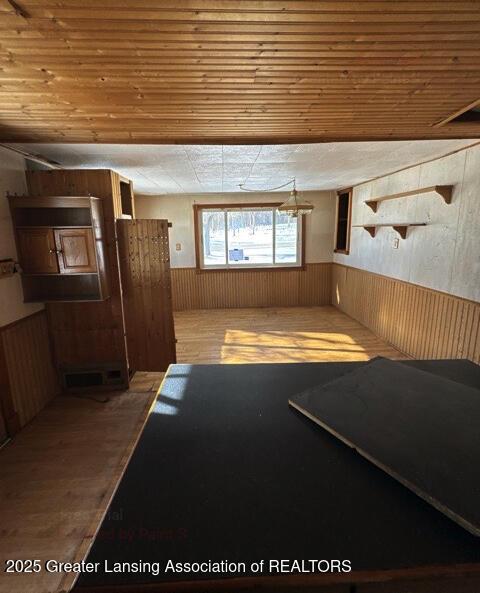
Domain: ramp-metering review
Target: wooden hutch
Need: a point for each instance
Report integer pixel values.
(69, 254)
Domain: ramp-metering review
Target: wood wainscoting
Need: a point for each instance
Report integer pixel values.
(28, 377)
(251, 288)
(420, 322)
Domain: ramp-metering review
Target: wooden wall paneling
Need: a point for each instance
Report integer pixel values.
(3, 428)
(251, 288)
(145, 271)
(32, 380)
(420, 322)
(7, 411)
(85, 333)
(250, 72)
(7, 407)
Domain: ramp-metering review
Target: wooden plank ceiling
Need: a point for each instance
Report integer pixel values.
(236, 71)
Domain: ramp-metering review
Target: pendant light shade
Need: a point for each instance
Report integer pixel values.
(295, 207)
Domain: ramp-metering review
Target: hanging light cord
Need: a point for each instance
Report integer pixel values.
(241, 186)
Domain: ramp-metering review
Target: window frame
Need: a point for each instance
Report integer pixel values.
(349, 191)
(199, 265)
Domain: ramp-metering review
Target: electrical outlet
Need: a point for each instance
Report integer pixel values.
(178, 246)
(396, 242)
(7, 267)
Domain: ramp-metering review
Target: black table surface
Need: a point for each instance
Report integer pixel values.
(226, 470)
(420, 428)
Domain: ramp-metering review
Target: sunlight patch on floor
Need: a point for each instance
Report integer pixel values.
(277, 346)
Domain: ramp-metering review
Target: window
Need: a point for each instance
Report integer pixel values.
(126, 195)
(342, 234)
(237, 237)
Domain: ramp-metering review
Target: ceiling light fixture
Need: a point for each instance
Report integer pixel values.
(292, 207)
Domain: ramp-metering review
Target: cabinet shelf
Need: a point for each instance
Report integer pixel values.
(48, 274)
(67, 298)
(61, 247)
(400, 227)
(61, 287)
(53, 226)
(444, 191)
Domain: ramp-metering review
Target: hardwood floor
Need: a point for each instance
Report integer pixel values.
(288, 334)
(58, 475)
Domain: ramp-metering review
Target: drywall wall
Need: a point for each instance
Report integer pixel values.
(12, 179)
(445, 254)
(178, 209)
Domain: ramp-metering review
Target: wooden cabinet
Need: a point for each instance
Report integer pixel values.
(87, 332)
(60, 248)
(75, 251)
(56, 251)
(37, 251)
(90, 338)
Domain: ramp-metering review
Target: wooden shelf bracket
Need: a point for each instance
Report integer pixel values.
(401, 230)
(400, 227)
(444, 191)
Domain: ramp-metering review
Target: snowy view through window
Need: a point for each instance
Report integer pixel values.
(253, 237)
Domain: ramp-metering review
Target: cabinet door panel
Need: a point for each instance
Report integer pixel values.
(37, 251)
(76, 251)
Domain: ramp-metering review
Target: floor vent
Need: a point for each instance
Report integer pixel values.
(106, 377)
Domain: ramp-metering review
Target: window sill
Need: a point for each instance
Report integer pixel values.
(259, 269)
(344, 251)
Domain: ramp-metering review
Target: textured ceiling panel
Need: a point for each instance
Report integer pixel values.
(199, 169)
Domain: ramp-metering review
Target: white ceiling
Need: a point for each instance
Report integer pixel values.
(177, 169)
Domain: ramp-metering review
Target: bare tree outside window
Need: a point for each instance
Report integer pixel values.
(249, 237)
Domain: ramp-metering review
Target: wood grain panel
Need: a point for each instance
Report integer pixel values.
(28, 360)
(10, 415)
(253, 288)
(144, 256)
(86, 333)
(238, 72)
(420, 322)
(3, 428)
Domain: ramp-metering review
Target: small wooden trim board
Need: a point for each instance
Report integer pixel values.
(420, 428)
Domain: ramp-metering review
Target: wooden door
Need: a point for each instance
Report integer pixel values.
(76, 251)
(147, 295)
(37, 251)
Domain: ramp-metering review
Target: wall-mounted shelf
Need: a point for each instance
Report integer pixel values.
(400, 227)
(61, 248)
(444, 191)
